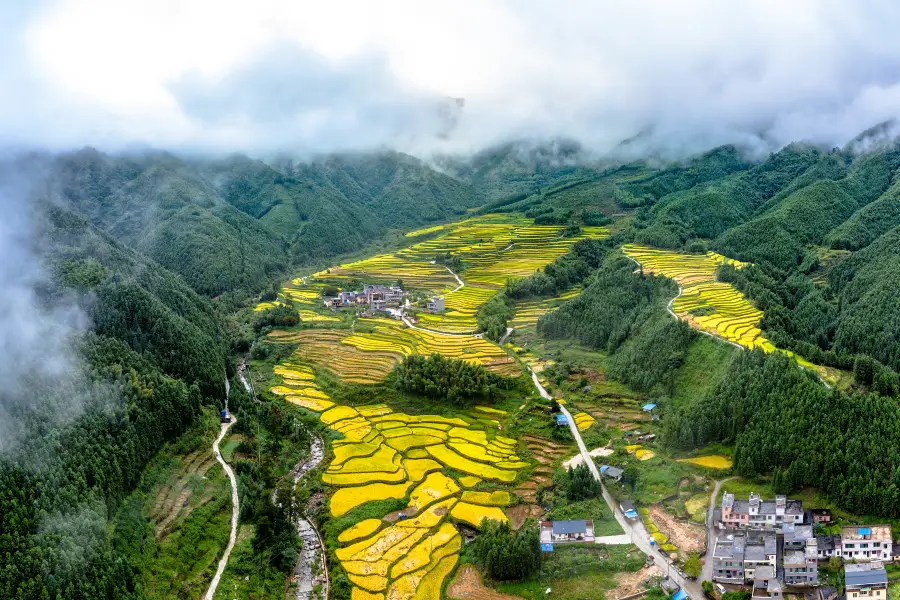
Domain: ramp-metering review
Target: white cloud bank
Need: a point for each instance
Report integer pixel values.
(282, 75)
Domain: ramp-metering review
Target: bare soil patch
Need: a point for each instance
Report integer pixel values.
(684, 534)
(467, 586)
(520, 512)
(631, 583)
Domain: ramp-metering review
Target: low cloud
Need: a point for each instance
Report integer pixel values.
(673, 78)
(40, 373)
(289, 98)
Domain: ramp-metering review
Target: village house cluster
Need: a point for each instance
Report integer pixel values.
(376, 298)
(772, 543)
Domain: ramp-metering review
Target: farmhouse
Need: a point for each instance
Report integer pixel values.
(560, 532)
(757, 513)
(865, 581)
(820, 515)
(435, 304)
(370, 294)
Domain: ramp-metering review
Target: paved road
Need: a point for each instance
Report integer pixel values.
(502, 341)
(235, 509)
(711, 531)
(635, 530)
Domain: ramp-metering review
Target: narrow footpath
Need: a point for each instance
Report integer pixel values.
(310, 567)
(235, 509)
(635, 530)
(458, 280)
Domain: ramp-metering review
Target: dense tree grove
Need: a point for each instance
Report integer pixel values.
(580, 484)
(779, 417)
(612, 306)
(492, 316)
(650, 362)
(450, 379)
(506, 554)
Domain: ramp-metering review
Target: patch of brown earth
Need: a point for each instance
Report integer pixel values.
(520, 512)
(632, 583)
(688, 536)
(392, 517)
(467, 586)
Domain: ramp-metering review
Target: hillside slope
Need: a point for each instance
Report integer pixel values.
(88, 418)
(238, 223)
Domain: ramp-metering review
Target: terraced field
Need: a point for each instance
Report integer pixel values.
(427, 460)
(368, 356)
(494, 248)
(707, 304)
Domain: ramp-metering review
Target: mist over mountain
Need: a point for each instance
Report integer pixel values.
(625, 78)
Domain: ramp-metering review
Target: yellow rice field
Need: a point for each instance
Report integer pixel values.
(714, 461)
(709, 305)
(389, 455)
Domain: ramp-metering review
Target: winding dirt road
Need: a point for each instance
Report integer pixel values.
(235, 509)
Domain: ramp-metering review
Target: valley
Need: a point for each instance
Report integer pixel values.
(442, 395)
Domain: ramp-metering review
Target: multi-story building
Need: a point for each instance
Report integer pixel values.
(865, 543)
(738, 554)
(766, 585)
(759, 551)
(865, 581)
(728, 558)
(436, 304)
(800, 555)
(760, 514)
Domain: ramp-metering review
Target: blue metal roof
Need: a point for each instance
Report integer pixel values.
(562, 420)
(865, 531)
(604, 468)
(546, 547)
(567, 527)
(648, 407)
(680, 595)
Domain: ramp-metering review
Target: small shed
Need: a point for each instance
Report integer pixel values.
(562, 419)
(648, 407)
(680, 595)
(613, 473)
(821, 515)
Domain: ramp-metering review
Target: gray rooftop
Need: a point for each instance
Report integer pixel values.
(729, 544)
(566, 527)
(865, 574)
(794, 557)
(764, 572)
(827, 542)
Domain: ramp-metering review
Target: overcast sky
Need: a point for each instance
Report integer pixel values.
(276, 75)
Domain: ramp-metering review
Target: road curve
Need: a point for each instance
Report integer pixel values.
(235, 509)
(635, 530)
(458, 280)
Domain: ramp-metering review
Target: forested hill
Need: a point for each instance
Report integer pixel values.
(238, 223)
(93, 405)
(820, 225)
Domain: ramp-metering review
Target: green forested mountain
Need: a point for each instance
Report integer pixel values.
(238, 223)
(154, 353)
(519, 168)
